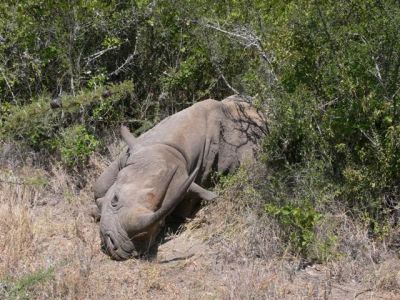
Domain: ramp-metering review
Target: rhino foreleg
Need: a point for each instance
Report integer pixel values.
(191, 201)
(202, 193)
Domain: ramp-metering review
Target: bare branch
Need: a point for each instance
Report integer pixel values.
(374, 143)
(130, 57)
(8, 85)
(323, 106)
(121, 67)
(228, 85)
(96, 55)
(245, 37)
(218, 28)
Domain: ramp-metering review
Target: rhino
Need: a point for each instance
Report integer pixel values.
(167, 169)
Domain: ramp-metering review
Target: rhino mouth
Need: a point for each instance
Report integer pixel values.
(117, 251)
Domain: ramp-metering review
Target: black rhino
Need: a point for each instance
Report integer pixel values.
(166, 169)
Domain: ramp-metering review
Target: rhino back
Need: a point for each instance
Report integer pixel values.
(187, 130)
(229, 131)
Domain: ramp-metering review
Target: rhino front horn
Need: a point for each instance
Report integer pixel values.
(128, 137)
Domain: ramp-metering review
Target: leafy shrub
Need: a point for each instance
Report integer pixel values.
(75, 145)
(38, 126)
(298, 224)
(336, 105)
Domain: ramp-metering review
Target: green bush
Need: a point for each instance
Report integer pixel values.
(336, 105)
(38, 126)
(75, 145)
(298, 224)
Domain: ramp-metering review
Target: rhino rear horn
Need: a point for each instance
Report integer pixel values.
(128, 137)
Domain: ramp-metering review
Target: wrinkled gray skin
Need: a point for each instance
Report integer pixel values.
(163, 170)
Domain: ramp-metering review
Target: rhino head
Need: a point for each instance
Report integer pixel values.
(138, 198)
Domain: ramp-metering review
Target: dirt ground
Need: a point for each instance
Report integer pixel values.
(50, 249)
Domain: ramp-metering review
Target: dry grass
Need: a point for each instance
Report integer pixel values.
(50, 249)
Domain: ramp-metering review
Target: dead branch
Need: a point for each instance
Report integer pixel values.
(122, 67)
(245, 37)
(228, 85)
(98, 54)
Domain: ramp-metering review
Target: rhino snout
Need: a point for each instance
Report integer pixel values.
(116, 249)
(115, 241)
(119, 241)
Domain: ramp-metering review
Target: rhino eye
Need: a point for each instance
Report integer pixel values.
(114, 201)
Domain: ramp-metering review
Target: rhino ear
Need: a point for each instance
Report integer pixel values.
(128, 137)
(106, 180)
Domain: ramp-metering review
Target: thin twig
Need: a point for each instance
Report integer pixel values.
(121, 67)
(217, 28)
(129, 59)
(228, 85)
(369, 138)
(327, 104)
(98, 54)
(8, 85)
(246, 38)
